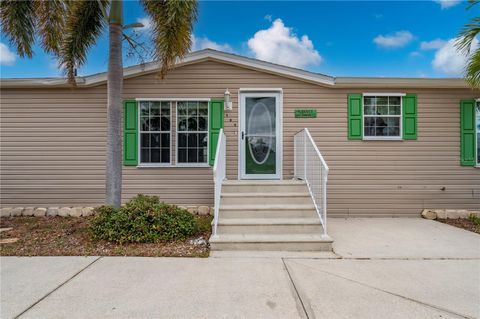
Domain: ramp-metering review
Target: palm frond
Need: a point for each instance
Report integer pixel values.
(84, 24)
(18, 19)
(467, 35)
(172, 27)
(472, 71)
(51, 23)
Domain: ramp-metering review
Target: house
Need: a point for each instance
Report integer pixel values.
(393, 146)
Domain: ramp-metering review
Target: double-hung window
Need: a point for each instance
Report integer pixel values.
(382, 117)
(192, 132)
(155, 118)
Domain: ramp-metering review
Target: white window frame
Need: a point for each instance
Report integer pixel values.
(139, 137)
(178, 164)
(383, 138)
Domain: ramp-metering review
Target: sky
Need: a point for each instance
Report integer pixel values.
(337, 38)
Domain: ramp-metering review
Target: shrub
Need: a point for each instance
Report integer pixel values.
(142, 219)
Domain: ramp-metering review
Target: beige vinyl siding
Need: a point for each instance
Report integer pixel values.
(53, 145)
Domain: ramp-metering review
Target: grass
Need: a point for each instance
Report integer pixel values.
(69, 236)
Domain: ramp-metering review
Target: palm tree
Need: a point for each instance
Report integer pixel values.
(68, 29)
(464, 43)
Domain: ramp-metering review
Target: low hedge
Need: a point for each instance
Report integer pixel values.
(143, 219)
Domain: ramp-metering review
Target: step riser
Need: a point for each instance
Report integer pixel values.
(304, 200)
(283, 246)
(269, 229)
(264, 188)
(267, 213)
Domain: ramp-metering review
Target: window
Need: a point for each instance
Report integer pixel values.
(192, 132)
(154, 132)
(382, 117)
(477, 112)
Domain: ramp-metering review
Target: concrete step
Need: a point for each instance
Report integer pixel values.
(264, 198)
(283, 186)
(264, 226)
(268, 211)
(284, 242)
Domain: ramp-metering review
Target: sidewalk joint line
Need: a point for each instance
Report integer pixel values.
(58, 287)
(388, 292)
(295, 288)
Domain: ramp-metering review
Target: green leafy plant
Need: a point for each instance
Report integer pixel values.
(474, 219)
(143, 219)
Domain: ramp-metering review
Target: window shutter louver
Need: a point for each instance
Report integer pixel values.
(130, 133)
(215, 123)
(355, 114)
(467, 132)
(410, 117)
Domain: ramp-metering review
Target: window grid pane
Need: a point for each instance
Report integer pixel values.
(155, 128)
(382, 116)
(192, 132)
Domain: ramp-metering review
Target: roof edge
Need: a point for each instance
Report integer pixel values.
(210, 54)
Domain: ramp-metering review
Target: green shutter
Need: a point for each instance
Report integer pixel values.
(410, 117)
(130, 133)
(467, 132)
(355, 114)
(215, 123)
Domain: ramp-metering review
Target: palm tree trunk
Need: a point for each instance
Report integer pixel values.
(113, 178)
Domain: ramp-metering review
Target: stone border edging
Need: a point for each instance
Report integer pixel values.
(78, 211)
(449, 213)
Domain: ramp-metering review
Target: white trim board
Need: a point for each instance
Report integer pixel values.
(250, 63)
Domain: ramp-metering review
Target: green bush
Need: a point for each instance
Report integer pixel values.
(143, 219)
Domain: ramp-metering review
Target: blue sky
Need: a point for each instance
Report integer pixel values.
(379, 38)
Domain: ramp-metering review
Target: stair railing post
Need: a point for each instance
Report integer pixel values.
(304, 154)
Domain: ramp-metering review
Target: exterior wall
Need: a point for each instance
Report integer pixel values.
(53, 141)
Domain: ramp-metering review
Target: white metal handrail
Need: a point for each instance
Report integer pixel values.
(219, 174)
(310, 166)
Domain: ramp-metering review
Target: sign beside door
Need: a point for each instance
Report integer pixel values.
(260, 137)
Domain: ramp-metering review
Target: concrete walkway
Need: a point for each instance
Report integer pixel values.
(382, 268)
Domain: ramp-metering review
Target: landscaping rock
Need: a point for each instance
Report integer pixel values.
(192, 209)
(429, 214)
(200, 241)
(52, 211)
(64, 211)
(8, 240)
(5, 212)
(16, 211)
(87, 211)
(5, 229)
(76, 211)
(28, 211)
(441, 214)
(40, 211)
(452, 214)
(203, 210)
(183, 207)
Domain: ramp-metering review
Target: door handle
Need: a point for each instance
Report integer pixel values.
(243, 135)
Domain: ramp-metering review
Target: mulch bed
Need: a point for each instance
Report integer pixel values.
(69, 236)
(463, 223)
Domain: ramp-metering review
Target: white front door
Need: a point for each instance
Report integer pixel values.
(260, 140)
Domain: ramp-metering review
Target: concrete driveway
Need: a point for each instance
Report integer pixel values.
(382, 268)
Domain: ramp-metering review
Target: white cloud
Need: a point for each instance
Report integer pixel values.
(206, 43)
(432, 45)
(445, 4)
(449, 60)
(415, 54)
(147, 23)
(396, 40)
(278, 44)
(7, 57)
